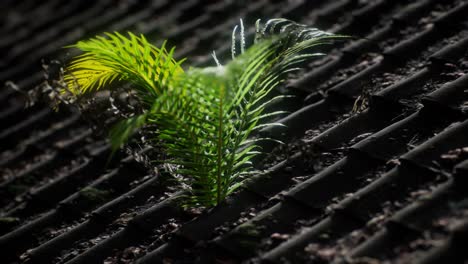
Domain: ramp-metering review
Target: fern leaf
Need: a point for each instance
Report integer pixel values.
(124, 129)
(117, 57)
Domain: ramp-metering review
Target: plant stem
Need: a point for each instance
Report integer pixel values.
(220, 142)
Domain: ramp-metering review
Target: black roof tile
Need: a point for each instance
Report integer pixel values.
(385, 182)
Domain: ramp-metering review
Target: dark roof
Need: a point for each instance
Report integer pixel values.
(387, 182)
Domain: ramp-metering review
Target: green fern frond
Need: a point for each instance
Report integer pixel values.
(124, 129)
(116, 57)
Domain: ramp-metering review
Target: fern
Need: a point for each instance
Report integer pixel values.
(204, 117)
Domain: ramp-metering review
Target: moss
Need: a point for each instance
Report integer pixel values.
(8, 220)
(249, 230)
(248, 236)
(17, 188)
(94, 194)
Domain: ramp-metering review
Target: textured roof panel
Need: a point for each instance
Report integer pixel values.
(383, 182)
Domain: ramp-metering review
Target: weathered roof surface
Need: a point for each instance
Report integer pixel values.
(385, 183)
